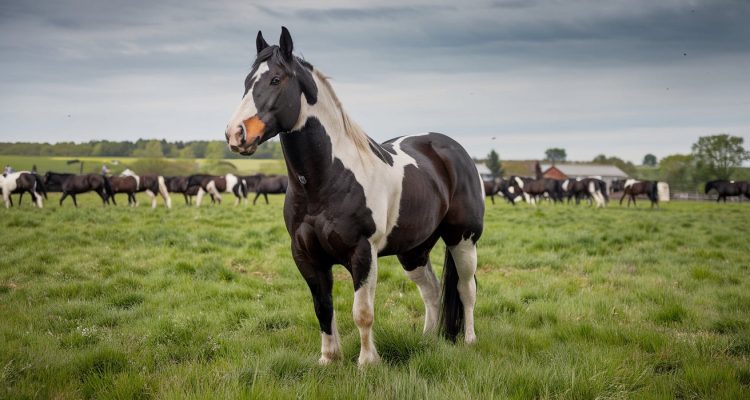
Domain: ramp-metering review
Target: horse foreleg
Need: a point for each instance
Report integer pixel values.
(265, 196)
(75, 202)
(465, 258)
(364, 267)
(63, 197)
(492, 197)
(257, 194)
(319, 278)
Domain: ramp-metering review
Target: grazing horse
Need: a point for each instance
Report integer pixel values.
(729, 188)
(351, 200)
(20, 182)
(633, 188)
(215, 185)
(152, 184)
(197, 183)
(76, 184)
(270, 185)
(590, 188)
(500, 187)
(179, 184)
(533, 189)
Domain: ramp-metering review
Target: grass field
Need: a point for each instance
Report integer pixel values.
(94, 164)
(573, 303)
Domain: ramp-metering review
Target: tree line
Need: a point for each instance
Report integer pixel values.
(143, 148)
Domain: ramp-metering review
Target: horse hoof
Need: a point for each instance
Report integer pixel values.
(326, 360)
(470, 339)
(368, 359)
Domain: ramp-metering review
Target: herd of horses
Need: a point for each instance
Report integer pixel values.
(128, 183)
(594, 190)
(512, 189)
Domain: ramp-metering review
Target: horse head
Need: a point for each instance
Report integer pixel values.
(272, 97)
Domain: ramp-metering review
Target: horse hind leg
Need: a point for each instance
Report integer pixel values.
(464, 256)
(419, 269)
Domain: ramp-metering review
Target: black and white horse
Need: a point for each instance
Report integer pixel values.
(153, 185)
(633, 188)
(534, 189)
(726, 189)
(216, 185)
(499, 186)
(586, 188)
(351, 200)
(21, 182)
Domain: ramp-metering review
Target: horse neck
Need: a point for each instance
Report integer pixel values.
(310, 151)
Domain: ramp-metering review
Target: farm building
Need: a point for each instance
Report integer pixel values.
(484, 172)
(607, 173)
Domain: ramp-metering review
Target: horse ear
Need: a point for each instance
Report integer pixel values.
(260, 43)
(285, 43)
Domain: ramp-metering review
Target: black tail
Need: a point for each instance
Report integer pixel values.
(452, 314)
(108, 189)
(39, 183)
(654, 195)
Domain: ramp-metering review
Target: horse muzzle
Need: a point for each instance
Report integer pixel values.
(244, 138)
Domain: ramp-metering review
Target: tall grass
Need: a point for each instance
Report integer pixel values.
(573, 302)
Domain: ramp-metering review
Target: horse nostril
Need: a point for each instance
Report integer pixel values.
(243, 138)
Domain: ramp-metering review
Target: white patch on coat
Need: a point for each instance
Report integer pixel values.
(565, 184)
(629, 183)
(247, 108)
(164, 192)
(382, 183)
(132, 174)
(232, 181)
(330, 345)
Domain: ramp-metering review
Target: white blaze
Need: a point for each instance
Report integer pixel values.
(247, 108)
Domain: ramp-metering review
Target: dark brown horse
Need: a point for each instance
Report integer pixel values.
(124, 184)
(351, 200)
(77, 184)
(275, 184)
(633, 188)
(179, 184)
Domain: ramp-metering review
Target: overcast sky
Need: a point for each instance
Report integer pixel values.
(622, 78)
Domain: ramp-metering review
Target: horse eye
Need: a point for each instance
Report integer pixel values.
(275, 80)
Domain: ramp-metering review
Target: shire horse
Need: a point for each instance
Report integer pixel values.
(726, 189)
(633, 188)
(71, 185)
(351, 200)
(21, 182)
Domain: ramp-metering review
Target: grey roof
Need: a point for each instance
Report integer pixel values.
(577, 170)
(483, 170)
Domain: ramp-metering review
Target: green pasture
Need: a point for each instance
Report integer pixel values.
(573, 303)
(116, 164)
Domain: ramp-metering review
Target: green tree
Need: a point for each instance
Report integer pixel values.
(150, 149)
(649, 160)
(555, 154)
(679, 171)
(718, 156)
(494, 164)
(215, 150)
